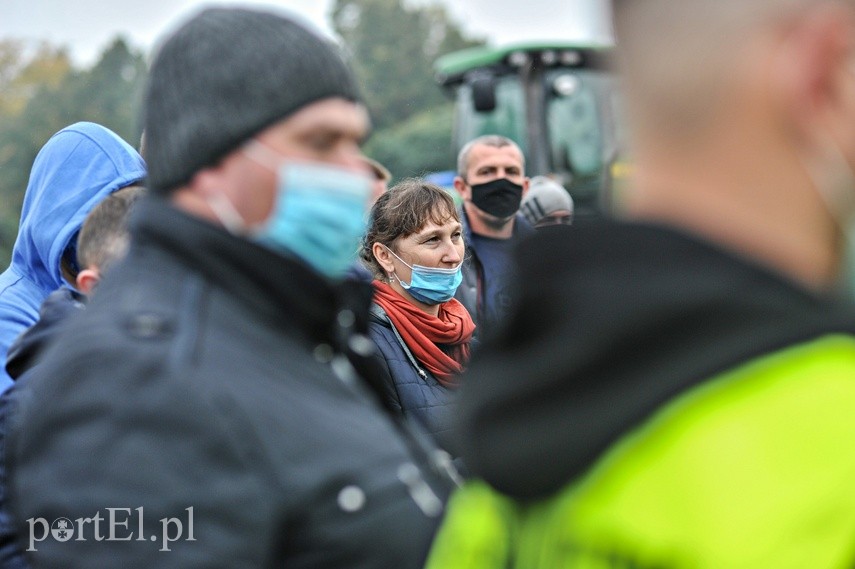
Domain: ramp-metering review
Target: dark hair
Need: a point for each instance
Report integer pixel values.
(104, 235)
(403, 210)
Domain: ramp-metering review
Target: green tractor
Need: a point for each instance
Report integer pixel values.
(558, 101)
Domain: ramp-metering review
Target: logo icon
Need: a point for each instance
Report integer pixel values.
(62, 529)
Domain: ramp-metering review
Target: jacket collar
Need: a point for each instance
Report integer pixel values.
(522, 228)
(613, 320)
(282, 290)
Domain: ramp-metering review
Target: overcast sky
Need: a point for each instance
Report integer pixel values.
(87, 26)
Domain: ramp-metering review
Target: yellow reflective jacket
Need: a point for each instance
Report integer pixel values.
(742, 457)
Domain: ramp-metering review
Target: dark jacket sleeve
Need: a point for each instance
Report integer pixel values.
(55, 310)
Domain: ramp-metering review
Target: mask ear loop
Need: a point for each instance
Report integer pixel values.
(228, 215)
(225, 210)
(262, 155)
(394, 274)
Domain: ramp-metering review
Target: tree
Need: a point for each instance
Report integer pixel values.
(417, 146)
(111, 92)
(23, 71)
(393, 49)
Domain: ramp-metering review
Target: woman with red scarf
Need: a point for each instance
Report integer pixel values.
(414, 247)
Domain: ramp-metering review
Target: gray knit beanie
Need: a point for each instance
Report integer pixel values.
(545, 196)
(224, 76)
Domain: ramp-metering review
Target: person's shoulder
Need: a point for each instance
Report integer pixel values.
(20, 299)
(55, 311)
(61, 303)
(9, 277)
(379, 326)
(129, 322)
(378, 316)
(15, 287)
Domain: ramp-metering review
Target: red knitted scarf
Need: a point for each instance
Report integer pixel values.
(453, 327)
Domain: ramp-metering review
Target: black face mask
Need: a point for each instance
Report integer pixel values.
(500, 197)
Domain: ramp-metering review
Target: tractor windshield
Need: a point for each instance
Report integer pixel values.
(508, 118)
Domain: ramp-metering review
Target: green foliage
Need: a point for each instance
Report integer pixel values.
(111, 92)
(419, 145)
(21, 74)
(393, 48)
(47, 94)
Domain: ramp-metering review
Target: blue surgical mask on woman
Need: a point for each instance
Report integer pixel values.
(431, 285)
(319, 215)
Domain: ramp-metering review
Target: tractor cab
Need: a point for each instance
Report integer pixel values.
(558, 101)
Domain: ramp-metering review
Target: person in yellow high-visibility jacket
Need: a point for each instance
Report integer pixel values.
(676, 388)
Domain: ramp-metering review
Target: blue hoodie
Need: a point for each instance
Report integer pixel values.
(77, 168)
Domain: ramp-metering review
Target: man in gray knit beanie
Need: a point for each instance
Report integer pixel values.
(547, 203)
(236, 88)
(221, 382)
(223, 77)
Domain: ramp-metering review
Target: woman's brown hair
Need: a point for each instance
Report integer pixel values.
(403, 210)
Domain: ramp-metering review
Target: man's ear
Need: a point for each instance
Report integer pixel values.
(525, 185)
(204, 192)
(462, 188)
(87, 280)
(206, 182)
(811, 60)
(209, 181)
(381, 253)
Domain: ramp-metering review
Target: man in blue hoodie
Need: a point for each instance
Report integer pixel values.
(103, 242)
(77, 168)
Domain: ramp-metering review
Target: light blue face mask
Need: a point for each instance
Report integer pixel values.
(431, 285)
(319, 215)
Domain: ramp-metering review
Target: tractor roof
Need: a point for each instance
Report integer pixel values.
(453, 67)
